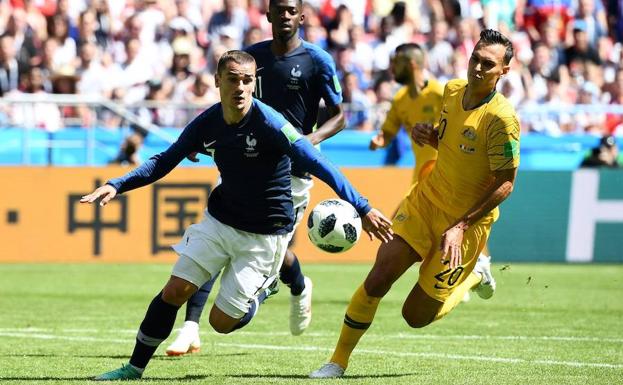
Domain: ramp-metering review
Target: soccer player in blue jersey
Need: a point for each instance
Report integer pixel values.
(292, 76)
(247, 225)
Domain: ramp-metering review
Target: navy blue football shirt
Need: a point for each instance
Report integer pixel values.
(253, 158)
(294, 83)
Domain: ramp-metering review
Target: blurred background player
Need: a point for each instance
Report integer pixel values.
(418, 101)
(250, 216)
(445, 220)
(292, 76)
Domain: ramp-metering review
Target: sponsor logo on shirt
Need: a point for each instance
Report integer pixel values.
(467, 149)
(469, 133)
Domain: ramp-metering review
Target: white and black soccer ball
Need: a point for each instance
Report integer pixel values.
(334, 226)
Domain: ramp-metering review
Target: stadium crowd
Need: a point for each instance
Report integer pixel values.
(161, 55)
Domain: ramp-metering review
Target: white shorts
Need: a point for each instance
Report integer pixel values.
(300, 197)
(250, 262)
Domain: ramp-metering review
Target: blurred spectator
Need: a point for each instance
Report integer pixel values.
(344, 64)
(128, 152)
(439, 50)
(593, 16)
(25, 39)
(92, 74)
(87, 30)
(357, 115)
(254, 35)
(540, 12)
(339, 28)
(39, 114)
(362, 52)
(58, 28)
(384, 44)
(496, 12)
(580, 52)
(151, 18)
(590, 122)
(156, 112)
(550, 121)
(11, 70)
(606, 154)
(232, 16)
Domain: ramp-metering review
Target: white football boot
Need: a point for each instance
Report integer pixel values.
(301, 309)
(328, 370)
(486, 287)
(187, 340)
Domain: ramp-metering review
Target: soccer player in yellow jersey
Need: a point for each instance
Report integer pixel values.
(445, 220)
(419, 101)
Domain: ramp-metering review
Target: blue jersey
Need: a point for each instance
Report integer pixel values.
(293, 84)
(253, 158)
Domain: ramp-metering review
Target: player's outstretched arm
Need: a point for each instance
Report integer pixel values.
(425, 134)
(452, 239)
(378, 225)
(106, 192)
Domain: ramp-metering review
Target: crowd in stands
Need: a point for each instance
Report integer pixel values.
(161, 54)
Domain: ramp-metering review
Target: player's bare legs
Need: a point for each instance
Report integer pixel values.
(392, 260)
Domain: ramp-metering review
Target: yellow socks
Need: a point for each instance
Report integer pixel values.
(357, 320)
(457, 295)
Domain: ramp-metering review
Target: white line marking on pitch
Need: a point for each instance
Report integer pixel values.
(413, 336)
(319, 349)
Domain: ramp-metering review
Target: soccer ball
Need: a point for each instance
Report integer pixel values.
(334, 226)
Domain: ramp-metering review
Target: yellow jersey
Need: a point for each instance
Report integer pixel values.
(405, 111)
(472, 144)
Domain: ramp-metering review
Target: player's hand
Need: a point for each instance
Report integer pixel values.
(193, 157)
(377, 141)
(424, 133)
(376, 224)
(451, 242)
(106, 192)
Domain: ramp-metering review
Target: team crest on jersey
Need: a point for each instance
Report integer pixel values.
(295, 74)
(251, 151)
(467, 149)
(469, 133)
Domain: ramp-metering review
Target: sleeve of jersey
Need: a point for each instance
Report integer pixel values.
(158, 165)
(503, 143)
(310, 159)
(330, 84)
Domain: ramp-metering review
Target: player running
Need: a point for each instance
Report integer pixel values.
(445, 220)
(247, 225)
(292, 76)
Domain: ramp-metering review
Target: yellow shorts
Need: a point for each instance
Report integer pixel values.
(420, 224)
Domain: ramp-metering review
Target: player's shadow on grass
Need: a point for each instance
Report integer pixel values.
(20, 380)
(117, 356)
(295, 376)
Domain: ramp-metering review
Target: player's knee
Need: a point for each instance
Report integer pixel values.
(221, 322)
(220, 327)
(416, 319)
(173, 296)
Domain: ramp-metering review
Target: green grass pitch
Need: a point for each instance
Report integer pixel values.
(546, 324)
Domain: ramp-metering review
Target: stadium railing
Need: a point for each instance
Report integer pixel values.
(95, 143)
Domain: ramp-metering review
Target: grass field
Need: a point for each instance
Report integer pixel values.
(547, 324)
